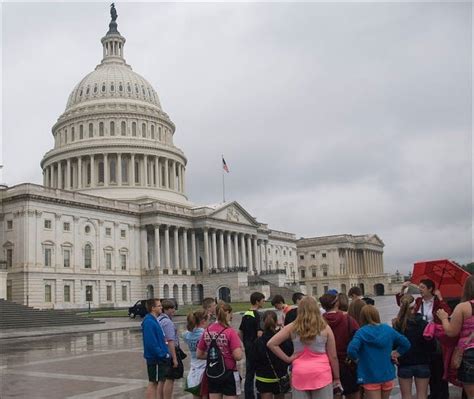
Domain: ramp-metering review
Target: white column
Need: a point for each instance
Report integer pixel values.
(167, 248)
(106, 170)
(167, 177)
(236, 248)
(157, 247)
(185, 249)
(60, 176)
(184, 179)
(229, 250)
(145, 170)
(250, 257)
(173, 175)
(68, 173)
(132, 174)
(93, 180)
(242, 249)
(176, 248)
(207, 265)
(119, 169)
(193, 250)
(221, 250)
(79, 172)
(266, 256)
(255, 254)
(214, 249)
(157, 172)
(144, 247)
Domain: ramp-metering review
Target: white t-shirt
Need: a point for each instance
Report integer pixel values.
(426, 309)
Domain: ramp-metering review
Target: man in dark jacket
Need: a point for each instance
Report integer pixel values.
(155, 350)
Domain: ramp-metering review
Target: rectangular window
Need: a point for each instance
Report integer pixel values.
(324, 255)
(67, 258)
(303, 273)
(67, 293)
(123, 261)
(325, 272)
(123, 233)
(47, 293)
(313, 256)
(108, 231)
(326, 288)
(47, 224)
(47, 257)
(9, 224)
(315, 291)
(109, 293)
(67, 226)
(313, 272)
(9, 258)
(89, 296)
(124, 293)
(302, 257)
(108, 261)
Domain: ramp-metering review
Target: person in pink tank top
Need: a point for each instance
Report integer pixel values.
(462, 324)
(315, 368)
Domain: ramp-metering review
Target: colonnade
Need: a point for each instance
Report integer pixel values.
(115, 169)
(178, 248)
(363, 261)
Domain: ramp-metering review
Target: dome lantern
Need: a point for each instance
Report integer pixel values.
(113, 42)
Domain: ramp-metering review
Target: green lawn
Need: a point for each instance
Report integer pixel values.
(182, 310)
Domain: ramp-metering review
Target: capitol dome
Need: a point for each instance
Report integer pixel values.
(113, 139)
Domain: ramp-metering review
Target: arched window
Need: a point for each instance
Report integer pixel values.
(91, 130)
(129, 89)
(103, 87)
(87, 256)
(134, 128)
(123, 128)
(88, 174)
(72, 134)
(95, 89)
(120, 87)
(137, 172)
(87, 90)
(112, 174)
(65, 136)
(112, 128)
(166, 291)
(81, 132)
(101, 172)
(112, 87)
(143, 130)
(176, 292)
(124, 170)
(101, 128)
(152, 131)
(159, 133)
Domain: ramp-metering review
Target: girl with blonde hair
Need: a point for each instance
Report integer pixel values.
(315, 368)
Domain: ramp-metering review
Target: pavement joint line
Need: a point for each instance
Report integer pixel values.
(62, 359)
(103, 393)
(76, 377)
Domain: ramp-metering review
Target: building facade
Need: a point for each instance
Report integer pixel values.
(112, 222)
(341, 262)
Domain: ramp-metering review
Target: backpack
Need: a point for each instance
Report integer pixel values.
(215, 365)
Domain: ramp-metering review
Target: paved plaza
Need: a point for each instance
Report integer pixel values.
(102, 364)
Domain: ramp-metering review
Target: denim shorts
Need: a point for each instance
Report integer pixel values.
(416, 370)
(466, 371)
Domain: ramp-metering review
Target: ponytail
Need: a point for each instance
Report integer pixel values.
(222, 310)
(270, 321)
(406, 304)
(195, 318)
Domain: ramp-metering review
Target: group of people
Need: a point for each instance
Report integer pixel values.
(335, 345)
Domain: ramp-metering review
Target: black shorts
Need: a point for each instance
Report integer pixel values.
(466, 371)
(226, 385)
(174, 373)
(348, 379)
(157, 371)
(267, 387)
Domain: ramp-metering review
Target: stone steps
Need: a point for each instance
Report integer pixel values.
(14, 315)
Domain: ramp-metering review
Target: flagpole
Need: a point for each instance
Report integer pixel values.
(223, 181)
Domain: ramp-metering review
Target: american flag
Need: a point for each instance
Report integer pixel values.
(224, 165)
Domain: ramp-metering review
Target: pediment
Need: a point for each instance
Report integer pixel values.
(233, 212)
(376, 240)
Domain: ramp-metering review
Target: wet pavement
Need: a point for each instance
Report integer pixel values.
(101, 364)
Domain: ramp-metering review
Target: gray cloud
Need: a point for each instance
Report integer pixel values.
(334, 118)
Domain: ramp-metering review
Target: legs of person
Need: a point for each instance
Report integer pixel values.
(469, 389)
(323, 393)
(373, 394)
(295, 394)
(151, 390)
(168, 389)
(159, 390)
(215, 396)
(421, 385)
(249, 376)
(278, 396)
(386, 394)
(266, 395)
(439, 388)
(355, 395)
(405, 387)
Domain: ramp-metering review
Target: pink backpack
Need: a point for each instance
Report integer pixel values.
(311, 371)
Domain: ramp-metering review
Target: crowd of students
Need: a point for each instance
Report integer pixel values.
(316, 349)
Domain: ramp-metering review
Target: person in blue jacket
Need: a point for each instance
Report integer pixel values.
(375, 347)
(155, 350)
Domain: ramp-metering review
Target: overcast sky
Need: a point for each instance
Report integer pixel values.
(333, 118)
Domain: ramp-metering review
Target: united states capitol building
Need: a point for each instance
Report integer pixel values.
(112, 223)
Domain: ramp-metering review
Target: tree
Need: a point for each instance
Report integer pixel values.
(469, 267)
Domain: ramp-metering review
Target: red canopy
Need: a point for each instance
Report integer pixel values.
(447, 275)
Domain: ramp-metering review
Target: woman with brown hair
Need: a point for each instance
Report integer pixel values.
(355, 308)
(315, 368)
(371, 348)
(415, 364)
(228, 342)
(462, 324)
(270, 372)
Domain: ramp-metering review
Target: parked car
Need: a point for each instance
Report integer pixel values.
(139, 309)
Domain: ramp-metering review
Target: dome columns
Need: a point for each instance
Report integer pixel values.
(115, 169)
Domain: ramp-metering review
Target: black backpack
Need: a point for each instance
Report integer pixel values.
(215, 365)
